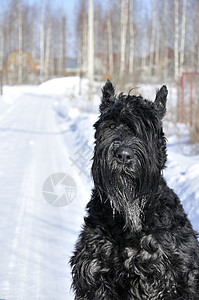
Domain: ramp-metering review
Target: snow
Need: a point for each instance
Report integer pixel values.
(45, 130)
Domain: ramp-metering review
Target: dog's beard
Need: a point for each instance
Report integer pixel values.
(123, 191)
(122, 187)
(127, 185)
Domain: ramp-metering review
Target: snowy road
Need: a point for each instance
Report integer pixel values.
(36, 238)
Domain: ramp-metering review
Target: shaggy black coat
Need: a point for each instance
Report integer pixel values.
(137, 242)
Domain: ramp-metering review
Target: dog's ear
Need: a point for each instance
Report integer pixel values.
(160, 100)
(108, 95)
(108, 90)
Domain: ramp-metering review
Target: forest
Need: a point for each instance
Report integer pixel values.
(132, 40)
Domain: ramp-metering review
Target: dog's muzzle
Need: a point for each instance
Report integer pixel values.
(123, 154)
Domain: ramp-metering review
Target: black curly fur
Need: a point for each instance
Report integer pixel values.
(137, 242)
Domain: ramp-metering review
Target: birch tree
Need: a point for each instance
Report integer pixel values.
(1, 56)
(157, 53)
(60, 50)
(176, 41)
(90, 49)
(13, 27)
(197, 37)
(110, 40)
(42, 39)
(123, 36)
(64, 43)
(48, 46)
(82, 37)
(20, 34)
(34, 34)
(131, 34)
(183, 34)
(85, 41)
(164, 40)
(152, 42)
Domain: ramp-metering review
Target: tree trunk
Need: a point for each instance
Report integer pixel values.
(166, 59)
(110, 41)
(197, 37)
(64, 44)
(182, 46)
(131, 47)
(157, 55)
(20, 34)
(164, 38)
(152, 42)
(42, 46)
(47, 55)
(34, 36)
(176, 40)
(90, 49)
(123, 24)
(85, 43)
(60, 50)
(1, 57)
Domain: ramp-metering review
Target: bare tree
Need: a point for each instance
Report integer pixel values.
(34, 33)
(131, 35)
(1, 56)
(110, 40)
(183, 34)
(20, 35)
(60, 50)
(90, 49)
(82, 36)
(157, 53)
(42, 39)
(176, 41)
(13, 28)
(123, 36)
(64, 43)
(48, 48)
(164, 40)
(152, 42)
(197, 50)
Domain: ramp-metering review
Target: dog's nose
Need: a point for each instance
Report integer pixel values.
(124, 154)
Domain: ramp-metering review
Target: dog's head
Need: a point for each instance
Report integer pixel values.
(130, 149)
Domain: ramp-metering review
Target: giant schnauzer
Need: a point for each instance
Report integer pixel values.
(137, 242)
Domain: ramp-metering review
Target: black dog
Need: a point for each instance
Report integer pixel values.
(137, 242)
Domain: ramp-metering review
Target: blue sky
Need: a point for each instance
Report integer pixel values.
(68, 5)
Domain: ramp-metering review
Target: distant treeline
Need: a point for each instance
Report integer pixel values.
(133, 40)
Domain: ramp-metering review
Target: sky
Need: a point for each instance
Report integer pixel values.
(67, 5)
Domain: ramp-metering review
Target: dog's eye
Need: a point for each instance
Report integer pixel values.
(112, 126)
